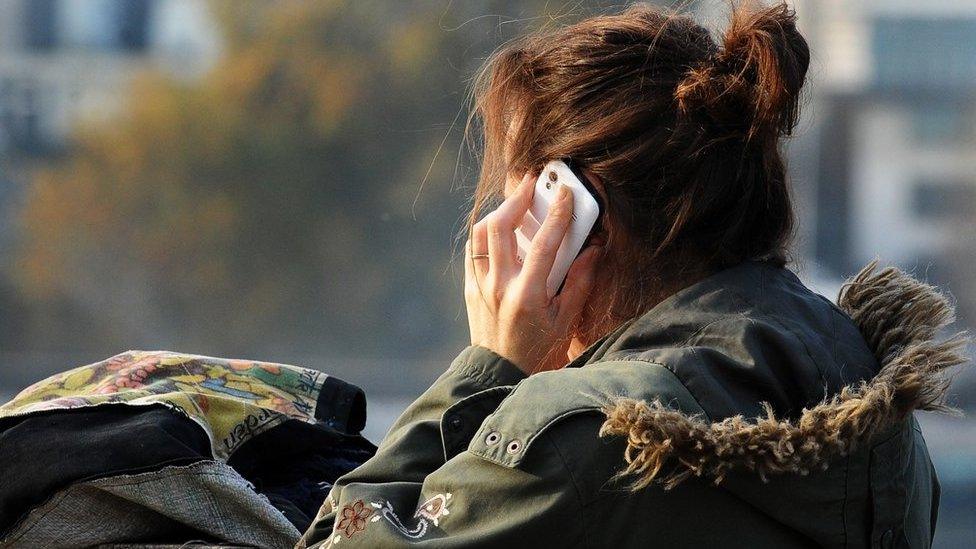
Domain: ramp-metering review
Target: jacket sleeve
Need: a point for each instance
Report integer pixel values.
(413, 448)
(421, 489)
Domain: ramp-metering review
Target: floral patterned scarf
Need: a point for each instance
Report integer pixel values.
(233, 400)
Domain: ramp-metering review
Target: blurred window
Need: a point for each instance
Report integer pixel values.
(133, 24)
(106, 25)
(19, 120)
(944, 200)
(40, 25)
(941, 122)
(88, 24)
(924, 53)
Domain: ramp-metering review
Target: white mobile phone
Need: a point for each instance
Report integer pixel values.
(586, 210)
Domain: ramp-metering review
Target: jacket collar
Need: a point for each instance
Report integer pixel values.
(898, 316)
(658, 315)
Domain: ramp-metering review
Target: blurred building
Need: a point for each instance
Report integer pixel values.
(66, 60)
(893, 128)
(61, 60)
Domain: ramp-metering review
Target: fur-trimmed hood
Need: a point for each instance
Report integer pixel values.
(898, 317)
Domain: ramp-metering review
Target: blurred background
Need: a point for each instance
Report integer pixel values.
(285, 181)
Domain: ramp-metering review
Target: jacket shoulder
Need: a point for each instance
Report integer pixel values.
(544, 400)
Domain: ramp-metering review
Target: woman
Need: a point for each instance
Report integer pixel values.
(709, 399)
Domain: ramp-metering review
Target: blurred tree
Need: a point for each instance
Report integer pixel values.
(277, 203)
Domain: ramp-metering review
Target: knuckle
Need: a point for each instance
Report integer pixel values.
(557, 205)
(542, 245)
(480, 225)
(520, 309)
(558, 214)
(519, 302)
(520, 305)
(494, 224)
(500, 225)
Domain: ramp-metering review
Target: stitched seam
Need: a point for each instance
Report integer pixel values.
(764, 314)
(635, 358)
(576, 487)
(583, 409)
(467, 401)
(53, 503)
(136, 482)
(472, 372)
(514, 462)
(474, 398)
(50, 505)
(487, 458)
(833, 339)
(478, 372)
(806, 348)
(687, 342)
(531, 438)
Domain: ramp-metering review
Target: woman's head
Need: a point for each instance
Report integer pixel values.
(680, 132)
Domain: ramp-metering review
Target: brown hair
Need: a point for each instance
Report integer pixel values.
(683, 132)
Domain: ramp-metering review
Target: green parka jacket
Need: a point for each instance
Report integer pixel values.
(746, 410)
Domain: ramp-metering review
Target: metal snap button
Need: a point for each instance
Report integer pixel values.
(455, 423)
(514, 447)
(492, 438)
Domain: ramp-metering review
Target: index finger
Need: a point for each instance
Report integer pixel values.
(546, 243)
(509, 213)
(501, 228)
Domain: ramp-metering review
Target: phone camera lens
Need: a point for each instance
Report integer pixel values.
(553, 175)
(548, 185)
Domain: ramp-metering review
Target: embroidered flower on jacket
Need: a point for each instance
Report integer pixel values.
(428, 513)
(353, 518)
(434, 508)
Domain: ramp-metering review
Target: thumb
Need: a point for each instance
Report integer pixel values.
(579, 283)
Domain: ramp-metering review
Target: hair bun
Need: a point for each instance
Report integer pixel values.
(753, 80)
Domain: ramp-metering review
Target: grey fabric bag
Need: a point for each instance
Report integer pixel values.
(154, 506)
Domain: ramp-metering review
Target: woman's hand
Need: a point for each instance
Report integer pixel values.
(509, 310)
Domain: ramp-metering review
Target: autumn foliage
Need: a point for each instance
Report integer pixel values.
(275, 204)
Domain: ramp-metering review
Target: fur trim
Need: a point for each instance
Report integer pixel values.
(899, 318)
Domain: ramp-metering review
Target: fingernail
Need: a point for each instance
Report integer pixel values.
(564, 192)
